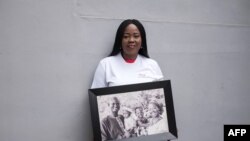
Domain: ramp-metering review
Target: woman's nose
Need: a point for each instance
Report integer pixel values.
(131, 39)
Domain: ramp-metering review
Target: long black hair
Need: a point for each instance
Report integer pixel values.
(119, 35)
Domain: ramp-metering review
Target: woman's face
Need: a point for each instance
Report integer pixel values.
(153, 110)
(131, 42)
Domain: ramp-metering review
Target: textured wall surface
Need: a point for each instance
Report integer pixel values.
(49, 51)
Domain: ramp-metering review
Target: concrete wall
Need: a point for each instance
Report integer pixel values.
(49, 51)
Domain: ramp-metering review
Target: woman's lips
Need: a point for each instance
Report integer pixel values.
(131, 46)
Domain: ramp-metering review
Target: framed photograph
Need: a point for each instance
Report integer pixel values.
(135, 112)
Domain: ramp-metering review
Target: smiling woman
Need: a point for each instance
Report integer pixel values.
(157, 122)
(129, 62)
(131, 42)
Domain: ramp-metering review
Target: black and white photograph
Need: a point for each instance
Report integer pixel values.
(135, 112)
(132, 114)
(143, 111)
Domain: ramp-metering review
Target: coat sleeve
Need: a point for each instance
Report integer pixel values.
(104, 131)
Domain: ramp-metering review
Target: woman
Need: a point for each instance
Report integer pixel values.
(157, 122)
(129, 61)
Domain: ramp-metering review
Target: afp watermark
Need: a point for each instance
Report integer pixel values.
(236, 132)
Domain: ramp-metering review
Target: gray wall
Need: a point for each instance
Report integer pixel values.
(49, 51)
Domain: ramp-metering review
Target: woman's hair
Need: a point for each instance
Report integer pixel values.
(119, 36)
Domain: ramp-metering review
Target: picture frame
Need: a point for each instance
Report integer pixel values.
(149, 105)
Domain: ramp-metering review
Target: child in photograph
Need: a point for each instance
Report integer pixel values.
(129, 121)
(141, 122)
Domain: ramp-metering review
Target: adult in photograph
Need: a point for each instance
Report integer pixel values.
(112, 126)
(157, 121)
(129, 62)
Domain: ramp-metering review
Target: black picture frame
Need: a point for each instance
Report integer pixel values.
(127, 90)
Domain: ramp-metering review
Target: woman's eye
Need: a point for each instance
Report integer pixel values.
(125, 37)
(136, 36)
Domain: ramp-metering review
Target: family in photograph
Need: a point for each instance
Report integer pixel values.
(125, 122)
